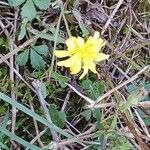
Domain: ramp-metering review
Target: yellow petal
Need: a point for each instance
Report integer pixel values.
(71, 43)
(95, 43)
(85, 71)
(101, 43)
(61, 53)
(92, 67)
(101, 56)
(90, 64)
(80, 42)
(76, 67)
(67, 63)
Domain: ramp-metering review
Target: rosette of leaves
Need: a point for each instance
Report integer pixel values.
(35, 54)
(28, 9)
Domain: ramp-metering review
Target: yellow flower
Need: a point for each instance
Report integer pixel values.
(83, 55)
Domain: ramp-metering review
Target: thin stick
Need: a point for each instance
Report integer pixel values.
(83, 96)
(66, 101)
(111, 16)
(55, 42)
(37, 137)
(12, 75)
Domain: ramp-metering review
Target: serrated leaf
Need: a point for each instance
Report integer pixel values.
(15, 3)
(22, 58)
(98, 88)
(87, 114)
(23, 29)
(41, 49)
(93, 89)
(85, 84)
(58, 117)
(37, 61)
(42, 4)
(28, 10)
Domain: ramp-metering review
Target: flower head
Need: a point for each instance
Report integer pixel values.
(82, 55)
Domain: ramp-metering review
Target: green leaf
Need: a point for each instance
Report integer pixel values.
(41, 49)
(58, 117)
(85, 84)
(37, 61)
(93, 89)
(22, 58)
(32, 114)
(42, 4)
(87, 114)
(28, 10)
(60, 78)
(97, 115)
(23, 29)
(15, 3)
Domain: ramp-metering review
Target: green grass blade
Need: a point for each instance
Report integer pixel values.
(19, 140)
(4, 124)
(3, 146)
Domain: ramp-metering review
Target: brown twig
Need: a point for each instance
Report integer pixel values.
(12, 75)
(142, 145)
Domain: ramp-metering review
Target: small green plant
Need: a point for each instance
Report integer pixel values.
(35, 53)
